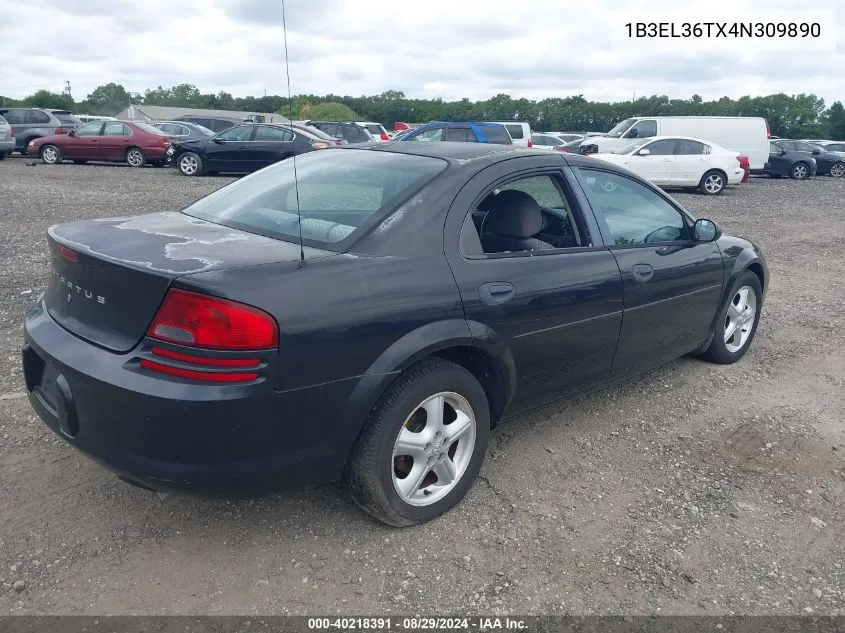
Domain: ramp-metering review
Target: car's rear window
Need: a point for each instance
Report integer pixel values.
(375, 130)
(67, 117)
(342, 194)
(149, 129)
(496, 134)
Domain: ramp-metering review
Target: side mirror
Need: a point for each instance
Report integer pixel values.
(816, 152)
(706, 231)
(217, 140)
(643, 152)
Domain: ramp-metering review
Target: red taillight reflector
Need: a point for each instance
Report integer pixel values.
(384, 137)
(206, 360)
(60, 131)
(198, 375)
(530, 143)
(199, 320)
(66, 253)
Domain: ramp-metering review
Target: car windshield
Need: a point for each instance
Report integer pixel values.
(620, 128)
(632, 147)
(341, 194)
(149, 129)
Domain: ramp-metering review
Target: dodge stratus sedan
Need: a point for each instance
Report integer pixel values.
(369, 316)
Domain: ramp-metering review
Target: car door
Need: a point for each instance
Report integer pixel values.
(115, 140)
(692, 159)
(270, 145)
(229, 150)
(557, 310)
(672, 284)
(658, 165)
(84, 143)
(778, 163)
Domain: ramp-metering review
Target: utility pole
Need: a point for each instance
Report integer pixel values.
(67, 89)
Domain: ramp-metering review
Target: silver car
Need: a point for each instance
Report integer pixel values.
(7, 140)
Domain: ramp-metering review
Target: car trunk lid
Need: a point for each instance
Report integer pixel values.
(109, 277)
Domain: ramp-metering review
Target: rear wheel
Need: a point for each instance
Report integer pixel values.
(712, 183)
(800, 171)
(737, 322)
(135, 157)
(422, 447)
(189, 164)
(837, 170)
(51, 155)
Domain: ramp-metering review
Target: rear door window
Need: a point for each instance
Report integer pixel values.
(516, 132)
(116, 129)
(37, 117)
(90, 129)
(459, 134)
(241, 133)
(268, 133)
(431, 134)
(67, 118)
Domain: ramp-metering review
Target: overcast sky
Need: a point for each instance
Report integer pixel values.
(433, 48)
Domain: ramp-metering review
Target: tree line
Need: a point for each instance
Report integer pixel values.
(795, 116)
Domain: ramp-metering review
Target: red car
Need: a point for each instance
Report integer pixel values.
(130, 142)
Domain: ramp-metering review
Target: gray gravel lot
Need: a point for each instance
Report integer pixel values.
(694, 489)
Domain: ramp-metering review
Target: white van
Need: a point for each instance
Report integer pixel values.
(745, 135)
(520, 132)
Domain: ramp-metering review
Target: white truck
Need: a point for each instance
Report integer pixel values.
(745, 135)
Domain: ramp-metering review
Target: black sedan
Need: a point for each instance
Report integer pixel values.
(784, 160)
(242, 149)
(827, 163)
(372, 319)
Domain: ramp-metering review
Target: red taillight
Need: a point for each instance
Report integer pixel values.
(530, 143)
(66, 253)
(60, 130)
(199, 320)
(11, 132)
(384, 137)
(192, 374)
(210, 361)
(768, 131)
(164, 142)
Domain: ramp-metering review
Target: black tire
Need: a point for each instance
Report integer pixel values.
(3, 155)
(186, 159)
(717, 351)
(369, 474)
(80, 162)
(800, 171)
(837, 170)
(135, 157)
(49, 149)
(713, 182)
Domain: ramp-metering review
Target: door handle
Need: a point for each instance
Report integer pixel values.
(667, 160)
(642, 272)
(243, 147)
(495, 292)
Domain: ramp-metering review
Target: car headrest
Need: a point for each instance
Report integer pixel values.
(513, 213)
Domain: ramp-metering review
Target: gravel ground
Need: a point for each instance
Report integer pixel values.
(694, 489)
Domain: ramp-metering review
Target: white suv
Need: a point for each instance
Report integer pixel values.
(520, 132)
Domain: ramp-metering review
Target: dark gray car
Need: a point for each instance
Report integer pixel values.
(184, 130)
(7, 140)
(32, 123)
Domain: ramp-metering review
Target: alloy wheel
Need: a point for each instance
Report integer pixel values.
(799, 172)
(838, 170)
(433, 449)
(188, 165)
(714, 183)
(50, 155)
(739, 320)
(135, 158)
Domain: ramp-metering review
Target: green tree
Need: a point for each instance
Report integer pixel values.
(331, 110)
(836, 122)
(47, 99)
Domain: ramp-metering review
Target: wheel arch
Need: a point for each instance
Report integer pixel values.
(486, 357)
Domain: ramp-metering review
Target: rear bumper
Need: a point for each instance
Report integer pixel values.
(7, 145)
(179, 436)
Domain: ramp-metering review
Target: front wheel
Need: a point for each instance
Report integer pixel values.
(189, 164)
(51, 155)
(800, 171)
(737, 322)
(837, 170)
(423, 446)
(135, 157)
(712, 183)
